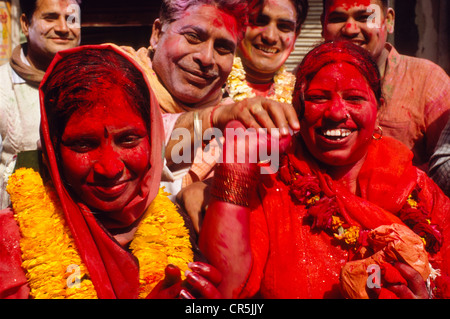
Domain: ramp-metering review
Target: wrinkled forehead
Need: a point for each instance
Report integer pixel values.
(206, 17)
(57, 5)
(332, 5)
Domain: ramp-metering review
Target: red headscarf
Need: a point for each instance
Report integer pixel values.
(113, 270)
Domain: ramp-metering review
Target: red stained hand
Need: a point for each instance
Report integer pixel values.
(201, 282)
(400, 281)
(170, 286)
(258, 112)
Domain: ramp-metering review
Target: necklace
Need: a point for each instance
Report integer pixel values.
(239, 90)
(49, 253)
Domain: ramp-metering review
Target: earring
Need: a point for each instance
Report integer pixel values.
(151, 52)
(378, 134)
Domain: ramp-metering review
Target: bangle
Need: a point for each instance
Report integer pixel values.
(198, 136)
(211, 115)
(234, 182)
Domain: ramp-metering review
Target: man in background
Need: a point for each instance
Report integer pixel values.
(416, 91)
(49, 26)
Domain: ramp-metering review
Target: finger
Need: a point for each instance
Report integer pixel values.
(239, 111)
(208, 271)
(415, 281)
(391, 274)
(401, 291)
(201, 285)
(170, 286)
(159, 292)
(184, 294)
(172, 275)
(291, 116)
(261, 116)
(283, 116)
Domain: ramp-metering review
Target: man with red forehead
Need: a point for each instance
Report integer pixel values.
(416, 91)
(191, 54)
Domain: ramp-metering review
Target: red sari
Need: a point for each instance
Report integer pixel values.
(291, 260)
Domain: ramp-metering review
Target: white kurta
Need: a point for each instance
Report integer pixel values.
(19, 123)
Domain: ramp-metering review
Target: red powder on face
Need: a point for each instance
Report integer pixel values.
(347, 4)
(227, 21)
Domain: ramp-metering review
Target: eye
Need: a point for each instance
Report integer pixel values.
(286, 27)
(316, 98)
(337, 19)
(363, 18)
(129, 140)
(192, 37)
(224, 48)
(355, 99)
(260, 20)
(50, 17)
(82, 145)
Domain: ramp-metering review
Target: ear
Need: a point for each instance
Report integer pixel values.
(156, 33)
(24, 24)
(390, 20)
(381, 109)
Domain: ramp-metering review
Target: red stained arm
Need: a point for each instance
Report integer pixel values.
(225, 241)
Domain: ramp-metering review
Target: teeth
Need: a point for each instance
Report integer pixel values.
(336, 132)
(267, 49)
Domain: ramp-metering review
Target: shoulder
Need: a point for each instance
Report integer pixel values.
(421, 66)
(5, 76)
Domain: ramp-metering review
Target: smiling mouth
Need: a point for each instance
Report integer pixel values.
(359, 42)
(335, 134)
(109, 191)
(200, 78)
(62, 39)
(266, 49)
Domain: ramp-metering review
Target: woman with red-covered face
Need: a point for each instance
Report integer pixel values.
(98, 226)
(347, 215)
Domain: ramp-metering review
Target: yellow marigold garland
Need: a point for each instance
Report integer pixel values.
(239, 89)
(48, 248)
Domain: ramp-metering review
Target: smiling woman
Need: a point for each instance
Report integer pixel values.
(104, 148)
(342, 200)
(101, 213)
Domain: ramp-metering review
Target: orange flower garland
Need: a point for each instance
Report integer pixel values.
(48, 249)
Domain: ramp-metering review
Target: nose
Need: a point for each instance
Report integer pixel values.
(110, 165)
(61, 25)
(337, 111)
(351, 28)
(269, 34)
(205, 55)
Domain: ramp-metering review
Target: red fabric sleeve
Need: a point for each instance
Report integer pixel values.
(13, 283)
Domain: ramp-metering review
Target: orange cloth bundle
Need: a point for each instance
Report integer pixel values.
(390, 243)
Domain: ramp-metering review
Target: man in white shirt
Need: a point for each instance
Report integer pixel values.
(49, 26)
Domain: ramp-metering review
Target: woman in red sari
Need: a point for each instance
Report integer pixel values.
(346, 215)
(100, 228)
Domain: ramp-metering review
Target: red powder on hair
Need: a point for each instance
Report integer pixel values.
(347, 4)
